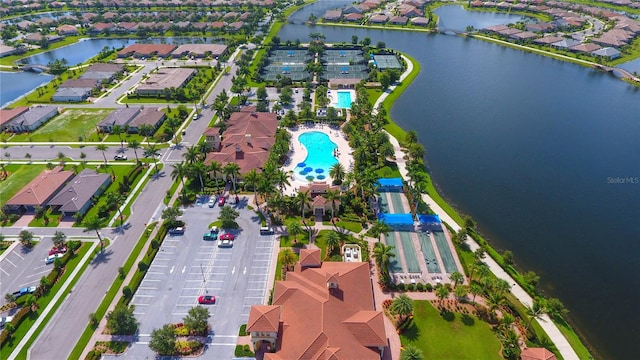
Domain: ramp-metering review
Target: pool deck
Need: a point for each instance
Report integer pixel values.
(298, 152)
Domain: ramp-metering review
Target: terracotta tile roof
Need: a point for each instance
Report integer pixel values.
(310, 257)
(537, 354)
(264, 318)
(7, 115)
(42, 188)
(247, 140)
(318, 322)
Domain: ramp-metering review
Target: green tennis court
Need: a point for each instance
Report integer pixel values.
(395, 266)
(429, 253)
(410, 257)
(342, 56)
(387, 62)
(445, 252)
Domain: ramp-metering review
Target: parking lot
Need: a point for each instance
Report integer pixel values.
(188, 266)
(22, 267)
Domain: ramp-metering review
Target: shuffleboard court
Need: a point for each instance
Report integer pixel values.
(429, 253)
(445, 252)
(410, 257)
(395, 266)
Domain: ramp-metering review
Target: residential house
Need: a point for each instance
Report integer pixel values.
(6, 115)
(102, 71)
(66, 30)
(75, 90)
(319, 203)
(32, 118)
(419, 21)
(378, 19)
(6, 50)
(354, 17)
(353, 9)
(148, 116)
(322, 310)
(585, 48)
(246, 141)
(146, 50)
(607, 52)
(77, 196)
(25, 24)
(409, 11)
(398, 20)
(537, 354)
(212, 137)
(332, 15)
(165, 78)
(120, 117)
(236, 26)
(37, 38)
(99, 28)
(39, 191)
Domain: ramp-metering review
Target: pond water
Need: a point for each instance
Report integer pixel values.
(455, 17)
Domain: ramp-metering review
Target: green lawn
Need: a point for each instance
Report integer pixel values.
(19, 176)
(71, 125)
(458, 339)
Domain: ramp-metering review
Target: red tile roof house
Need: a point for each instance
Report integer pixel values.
(99, 28)
(321, 311)
(398, 20)
(332, 15)
(32, 118)
(537, 354)
(320, 204)
(39, 191)
(67, 30)
(378, 19)
(6, 115)
(77, 196)
(353, 17)
(246, 141)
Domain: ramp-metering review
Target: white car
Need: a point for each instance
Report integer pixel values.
(225, 243)
(212, 202)
(51, 258)
(120, 157)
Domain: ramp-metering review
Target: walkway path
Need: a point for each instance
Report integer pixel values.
(549, 327)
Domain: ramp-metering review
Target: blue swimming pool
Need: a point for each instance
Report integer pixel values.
(319, 159)
(344, 100)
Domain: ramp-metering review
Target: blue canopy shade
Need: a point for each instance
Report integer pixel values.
(319, 171)
(393, 182)
(429, 219)
(396, 219)
(301, 165)
(320, 177)
(308, 168)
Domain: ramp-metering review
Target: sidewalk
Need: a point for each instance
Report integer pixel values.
(549, 327)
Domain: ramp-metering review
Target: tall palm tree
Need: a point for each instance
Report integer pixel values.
(146, 130)
(153, 152)
(198, 169)
(266, 187)
(535, 311)
(442, 292)
(204, 148)
(333, 241)
(277, 202)
(383, 254)
(337, 173)
(232, 170)
(379, 228)
(215, 167)
(115, 200)
(251, 179)
(179, 172)
(94, 223)
(287, 257)
(192, 155)
(294, 229)
(303, 200)
(117, 130)
(103, 148)
(456, 278)
(282, 179)
(333, 196)
(402, 306)
(135, 145)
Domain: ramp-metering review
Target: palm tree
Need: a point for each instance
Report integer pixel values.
(303, 200)
(192, 155)
(287, 257)
(277, 202)
(337, 173)
(251, 179)
(117, 130)
(333, 241)
(233, 170)
(153, 152)
(383, 254)
(333, 196)
(379, 228)
(442, 292)
(402, 306)
(410, 352)
(535, 311)
(294, 228)
(103, 148)
(198, 169)
(475, 289)
(215, 167)
(115, 200)
(146, 130)
(135, 145)
(495, 301)
(61, 157)
(59, 239)
(282, 179)
(179, 172)
(456, 278)
(94, 224)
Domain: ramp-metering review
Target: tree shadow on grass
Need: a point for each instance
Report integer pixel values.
(467, 320)
(448, 315)
(412, 332)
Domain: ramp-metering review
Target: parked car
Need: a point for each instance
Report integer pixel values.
(214, 230)
(176, 231)
(206, 299)
(222, 200)
(227, 236)
(4, 320)
(58, 250)
(51, 258)
(120, 157)
(209, 236)
(225, 244)
(212, 202)
(24, 291)
(266, 230)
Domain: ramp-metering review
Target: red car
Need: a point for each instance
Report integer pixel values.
(227, 236)
(55, 250)
(206, 299)
(221, 201)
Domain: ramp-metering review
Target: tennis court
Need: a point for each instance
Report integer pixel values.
(410, 257)
(398, 204)
(289, 56)
(387, 62)
(429, 253)
(445, 252)
(342, 56)
(395, 266)
(295, 72)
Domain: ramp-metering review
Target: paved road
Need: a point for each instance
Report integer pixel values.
(61, 334)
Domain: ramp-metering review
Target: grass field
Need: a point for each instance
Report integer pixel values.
(460, 338)
(68, 126)
(19, 176)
